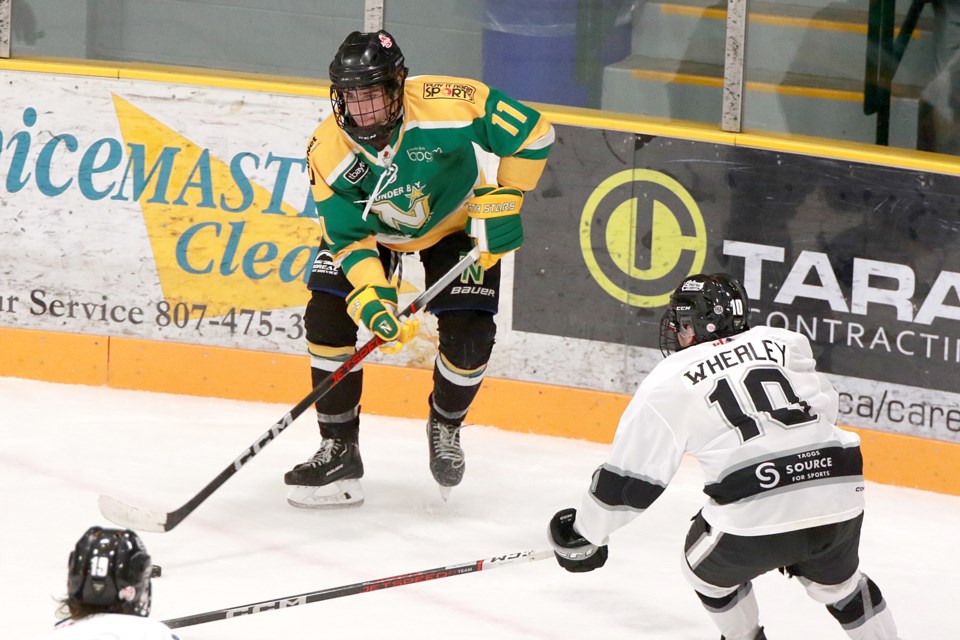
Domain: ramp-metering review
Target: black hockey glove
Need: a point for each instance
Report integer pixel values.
(574, 552)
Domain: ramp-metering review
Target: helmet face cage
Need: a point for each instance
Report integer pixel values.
(366, 92)
(109, 570)
(712, 306)
(378, 108)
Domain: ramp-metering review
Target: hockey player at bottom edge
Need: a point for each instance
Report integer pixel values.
(784, 483)
(399, 167)
(108, 590)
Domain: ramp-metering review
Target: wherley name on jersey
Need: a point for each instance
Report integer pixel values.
(764, 351)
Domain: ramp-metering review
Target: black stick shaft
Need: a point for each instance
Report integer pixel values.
(136, 518)
(361, 587)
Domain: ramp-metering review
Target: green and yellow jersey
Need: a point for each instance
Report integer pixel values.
(426, 173)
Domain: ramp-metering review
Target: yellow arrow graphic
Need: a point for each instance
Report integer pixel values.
(204, 252)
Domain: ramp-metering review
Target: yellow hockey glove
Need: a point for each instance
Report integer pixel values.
(494, 222)
(376, 308)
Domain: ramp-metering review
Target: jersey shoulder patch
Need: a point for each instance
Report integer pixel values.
(444, 99)
(331, 155)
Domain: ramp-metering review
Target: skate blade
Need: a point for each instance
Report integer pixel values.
(343, 493)
(444, 492)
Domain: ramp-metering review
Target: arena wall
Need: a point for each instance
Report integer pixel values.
(158, 226)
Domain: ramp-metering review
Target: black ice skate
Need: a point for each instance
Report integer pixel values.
(446, 457)
(331, 478)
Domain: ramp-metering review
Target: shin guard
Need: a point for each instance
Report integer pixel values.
(864, 614)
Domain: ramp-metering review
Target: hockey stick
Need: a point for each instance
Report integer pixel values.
(361, 587)
(132, 517)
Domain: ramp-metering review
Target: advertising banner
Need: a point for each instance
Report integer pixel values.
(863, 259)
(142, 209)
(182, 213)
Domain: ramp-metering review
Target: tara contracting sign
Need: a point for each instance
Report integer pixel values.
(862, 259)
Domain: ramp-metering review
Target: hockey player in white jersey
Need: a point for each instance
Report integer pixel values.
(108, 590)
(785, 485)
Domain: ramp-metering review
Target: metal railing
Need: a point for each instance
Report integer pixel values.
(884, 53)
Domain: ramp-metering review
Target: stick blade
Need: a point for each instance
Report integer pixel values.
(132, 517)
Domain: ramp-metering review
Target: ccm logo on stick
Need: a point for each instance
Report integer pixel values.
(267, 606)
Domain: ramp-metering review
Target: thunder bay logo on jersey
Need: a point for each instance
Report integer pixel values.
(449, 90)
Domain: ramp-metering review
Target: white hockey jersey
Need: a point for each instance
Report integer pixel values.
(753, 410)
(110, 625)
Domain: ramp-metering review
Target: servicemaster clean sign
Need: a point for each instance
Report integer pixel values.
(157, 210)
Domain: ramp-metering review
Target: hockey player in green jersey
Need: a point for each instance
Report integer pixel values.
(399, 167)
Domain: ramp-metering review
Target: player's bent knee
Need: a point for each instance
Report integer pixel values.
(326, 321)
(466, 337)
(704, 589)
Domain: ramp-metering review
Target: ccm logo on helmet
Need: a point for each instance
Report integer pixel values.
(449, 90)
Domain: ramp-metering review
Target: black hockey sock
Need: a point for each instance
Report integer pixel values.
(451, 401)
(855, 610)
(466, 341)
(343, 397)
(344, 427)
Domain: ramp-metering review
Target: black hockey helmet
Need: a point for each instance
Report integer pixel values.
(367, 61)
(714, 306)
(109, 571)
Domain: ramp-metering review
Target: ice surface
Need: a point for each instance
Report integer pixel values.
(63, 445)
